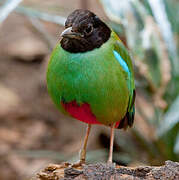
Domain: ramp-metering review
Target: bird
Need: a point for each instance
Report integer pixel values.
(90, 76)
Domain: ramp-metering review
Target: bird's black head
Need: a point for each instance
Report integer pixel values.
(84, 31)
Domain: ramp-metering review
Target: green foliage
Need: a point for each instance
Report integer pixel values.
(170, 118)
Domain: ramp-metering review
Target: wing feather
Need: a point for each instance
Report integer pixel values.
(123, 57)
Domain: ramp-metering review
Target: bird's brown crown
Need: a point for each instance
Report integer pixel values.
(85, 32)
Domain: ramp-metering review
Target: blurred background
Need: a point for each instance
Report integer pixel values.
(32, 131)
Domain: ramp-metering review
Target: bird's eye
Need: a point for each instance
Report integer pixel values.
(89, 30)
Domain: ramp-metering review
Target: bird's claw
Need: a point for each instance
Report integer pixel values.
(77, 164)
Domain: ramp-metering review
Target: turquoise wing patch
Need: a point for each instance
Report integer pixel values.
(122, 62)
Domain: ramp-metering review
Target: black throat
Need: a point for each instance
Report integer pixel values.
(79, 20)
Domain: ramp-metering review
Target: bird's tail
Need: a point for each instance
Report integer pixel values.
(128, 119)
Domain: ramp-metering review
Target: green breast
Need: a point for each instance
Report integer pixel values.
(94, 77)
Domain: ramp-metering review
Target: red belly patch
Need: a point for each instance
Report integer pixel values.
(81, 112)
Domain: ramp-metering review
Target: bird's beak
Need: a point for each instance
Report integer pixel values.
(68, 33)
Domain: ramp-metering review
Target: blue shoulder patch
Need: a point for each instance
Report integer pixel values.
(122, 62)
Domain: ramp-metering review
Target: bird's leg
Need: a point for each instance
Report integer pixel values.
(83, 149)
(111, 144)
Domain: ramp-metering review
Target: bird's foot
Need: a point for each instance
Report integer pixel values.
(111, 164)
(109, 161)
(78, 164)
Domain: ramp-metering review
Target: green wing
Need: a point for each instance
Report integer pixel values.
(128, 68)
